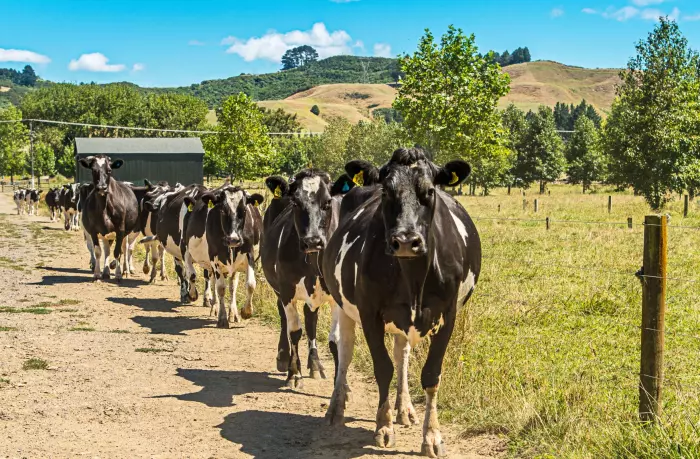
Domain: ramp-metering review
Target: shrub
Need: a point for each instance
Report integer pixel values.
(315, 110)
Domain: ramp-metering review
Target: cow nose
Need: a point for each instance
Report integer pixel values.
(407, 244)
(313, 244)
(233, 240)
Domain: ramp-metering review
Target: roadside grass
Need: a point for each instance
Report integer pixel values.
(151, 350)
(81, 328)
(119, 331)
(9, 263)
(30, 310)
(35, 364)
(7, 329)
(4, 382)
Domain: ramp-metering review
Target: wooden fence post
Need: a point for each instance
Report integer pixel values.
(651, 375)
(537, 205)
(609, 204)
(629, 222)
(547, 222)
(499, 208)
(685, 206)
(524, 204)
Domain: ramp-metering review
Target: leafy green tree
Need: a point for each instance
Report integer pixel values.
(28, 77)
(515, 125)
(375, 141)
(44, 160)
(295, 153)
(172, 111)
(585, 159)
(299, 57)
(280, 120)
(14, 140)
(315, 110)
(652, 132)
(448, 100)
(241, 145)
(329, 153)
(543, 150)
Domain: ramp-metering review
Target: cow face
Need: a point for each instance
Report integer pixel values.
(101, 167)
(408, 183)
(309, 192)
(232, 205)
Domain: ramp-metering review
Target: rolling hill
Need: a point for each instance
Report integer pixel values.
(532, 84)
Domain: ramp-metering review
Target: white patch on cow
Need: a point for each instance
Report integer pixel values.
(312, 344)
(460, 227)
(362, 209)
(315, 298)
(181, 219)
(233, 200)
(100, 161)
(349, 308)
(363, 246)
(355, 281)
(436, 265)
(279, 243)
(275, 266)
(311, 185)
(465, 287)
(413, 335)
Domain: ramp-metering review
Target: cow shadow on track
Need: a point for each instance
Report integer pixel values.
(171, 325)
(220, 388)
(85, 271)
(147, 304)
(268, 435)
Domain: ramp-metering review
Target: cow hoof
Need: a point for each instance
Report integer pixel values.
(406, 414)
(222, 323)
(164, 278)
(282, 364)
(146, 269)
(433, 450)
(247, 313)
(384, 437)
(113, 264)
(92, 266)
(193, 294)
(295, 383)
(317, 374)
(106, 276)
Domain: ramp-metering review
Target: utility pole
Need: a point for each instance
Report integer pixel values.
(31, 149)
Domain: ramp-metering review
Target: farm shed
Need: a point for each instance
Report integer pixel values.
(155, 159)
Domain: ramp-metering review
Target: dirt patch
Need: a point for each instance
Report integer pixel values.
(131, 373)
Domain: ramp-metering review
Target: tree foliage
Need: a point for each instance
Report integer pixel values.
(279, 120)
(14, 140)
(565, 116)
(298, 57)
(542, 158)
(26, 77)
(448, 100)
(585, 159)
(518, 56)
(652, 132)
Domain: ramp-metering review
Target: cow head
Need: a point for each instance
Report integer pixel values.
(231, 202)
(408, 183)
(309, 192)
(101, 167)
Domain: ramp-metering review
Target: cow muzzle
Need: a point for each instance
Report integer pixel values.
(407, 244)
(312, 244)
(233, 241)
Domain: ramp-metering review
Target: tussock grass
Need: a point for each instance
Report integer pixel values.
(35, 364)
(7, 329)
(120, 331)
(151, 350)
(82, 329)
(30, 310)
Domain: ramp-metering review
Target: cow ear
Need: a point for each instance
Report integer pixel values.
(453, 173)
(39, 192)
(117, 163)
(211, 198)
(362, 173)
(255, 199)
(277, 185)
(66, 187)
(342, 185)
(86, 163)
(189, 202)
(148, 185)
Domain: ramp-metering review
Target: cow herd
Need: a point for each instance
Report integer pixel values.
(386, 247)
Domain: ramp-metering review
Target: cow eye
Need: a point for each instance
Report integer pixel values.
(327, 205)
(431, 192)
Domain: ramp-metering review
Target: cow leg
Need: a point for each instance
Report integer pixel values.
(405, 412)
(208, 297)
(433, 446)
(250, 284)
(147, 259)
(161, 258)
(334, 342)
(179, 270)
(157, 252)
(313, 364)
(373, 329)
(91, 250)
(346, 345)
(97, 250)
(119, 247)
(191, 274)
(233, 306)
(66, 221)
(108, 265)
(132, 246)
(223, 320)
(283, 345)
(76, 221)
(294, 378)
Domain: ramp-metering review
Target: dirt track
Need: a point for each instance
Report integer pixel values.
(198, 392)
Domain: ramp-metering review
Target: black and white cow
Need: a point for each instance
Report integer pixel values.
(148, 220)
(19, 197)
(404, 258)
(52, 203)
(68, 199)
(32, 201)
(298, 223)
(222, 230)
(110, 210)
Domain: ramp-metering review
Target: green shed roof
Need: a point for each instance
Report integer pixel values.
(139, 145)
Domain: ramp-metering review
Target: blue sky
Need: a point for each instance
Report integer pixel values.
(172, 43)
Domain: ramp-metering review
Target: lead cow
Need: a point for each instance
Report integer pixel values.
(402, 260)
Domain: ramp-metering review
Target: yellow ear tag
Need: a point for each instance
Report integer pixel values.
(359, 178)
(256, 204)
(190, 207)
(210, 205)
(454, 180)
(278, 192)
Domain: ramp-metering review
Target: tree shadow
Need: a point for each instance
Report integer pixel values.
(268, 435)
(147, 304)
(171, 325)
(51, 228)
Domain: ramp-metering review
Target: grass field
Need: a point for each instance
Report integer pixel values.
(547, 350)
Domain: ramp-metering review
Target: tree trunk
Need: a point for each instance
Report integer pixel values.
(691, 193)
(508, 190)
(543, 187)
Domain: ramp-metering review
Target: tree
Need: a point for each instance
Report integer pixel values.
(298, 57)
(295, 153)
(515, 125)
(28, 77)
(651, 134)
(241, 146)
(280, 121)
(585, 159)
(14, 140)
(329, 153)
(44, 160)
(448, 100)
(543, 150)
(375, 141)
(315, 110)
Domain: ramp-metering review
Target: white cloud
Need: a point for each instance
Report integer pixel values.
(691, 17)
(589, 11)
(557, 12)
(382, 50)
(138, 67)
(622, 15)
(652, 14)
(273, 45)
(344, 1)
(95, 62)
(195, 43)
(359, 44)
(21, 55)
(647, 2)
